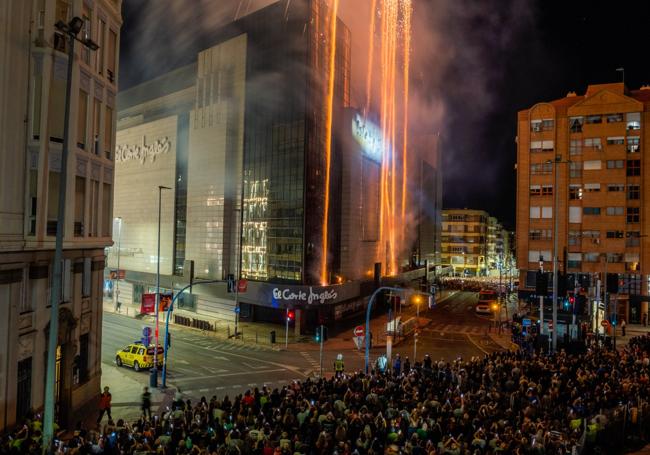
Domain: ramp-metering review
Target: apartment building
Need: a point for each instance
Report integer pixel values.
(589, 150)
(34, 58)
(465, 241)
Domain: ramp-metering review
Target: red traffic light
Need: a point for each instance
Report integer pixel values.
(572, 300)
(291, 315)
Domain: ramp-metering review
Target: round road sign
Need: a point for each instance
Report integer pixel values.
(359, 331)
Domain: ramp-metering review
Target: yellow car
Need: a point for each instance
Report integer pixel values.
(138, 356)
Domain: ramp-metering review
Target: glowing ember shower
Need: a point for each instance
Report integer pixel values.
(395, 27)
(328, 133)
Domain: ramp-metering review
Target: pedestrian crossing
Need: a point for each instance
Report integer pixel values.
(455, 328)
(219, 345)
(314, 363)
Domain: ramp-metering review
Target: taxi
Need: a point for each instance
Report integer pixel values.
(138, 356)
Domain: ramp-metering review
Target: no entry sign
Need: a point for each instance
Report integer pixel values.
(359, 331)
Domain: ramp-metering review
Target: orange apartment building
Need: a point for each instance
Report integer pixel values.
(598, 141)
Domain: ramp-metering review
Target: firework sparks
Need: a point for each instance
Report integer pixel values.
(328, 132)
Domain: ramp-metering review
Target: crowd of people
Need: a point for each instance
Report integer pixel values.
(505, 403)
(472, 284)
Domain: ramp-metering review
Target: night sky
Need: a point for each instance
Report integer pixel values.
(476, 63)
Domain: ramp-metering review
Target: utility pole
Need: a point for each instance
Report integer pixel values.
(556, 219)
(117, 281)
(154, 378)
(286, 330)
(322, 336)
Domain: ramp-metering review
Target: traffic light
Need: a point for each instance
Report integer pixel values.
(320, 334)
(231, 283)
(569, 302)
(291, 315)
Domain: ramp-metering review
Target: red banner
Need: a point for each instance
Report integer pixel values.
(148, 305)
(242, 285)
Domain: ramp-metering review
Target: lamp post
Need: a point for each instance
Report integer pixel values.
(70, 31)
(368, 310)
(155, 363)
(117, 281)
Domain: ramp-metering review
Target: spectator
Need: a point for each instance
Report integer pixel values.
(104, 405)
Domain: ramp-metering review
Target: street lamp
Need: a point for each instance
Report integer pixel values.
(154, 380)
(70, 30)
(119, 248)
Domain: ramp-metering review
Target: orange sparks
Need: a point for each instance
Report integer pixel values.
(328, 133)
(406, 33)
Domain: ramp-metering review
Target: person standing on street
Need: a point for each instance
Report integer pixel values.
(339, 365)
(397, 365)
(146, 403)
(623, 325)
(104, 405)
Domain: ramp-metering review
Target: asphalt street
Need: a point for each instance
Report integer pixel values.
(202, 366)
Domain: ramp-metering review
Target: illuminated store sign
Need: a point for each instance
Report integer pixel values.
(369, 137)
(126, 152)
(309, 296)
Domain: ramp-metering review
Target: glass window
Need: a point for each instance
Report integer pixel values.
(535, 146)
(614, 164)
(634, 192)
(615, 187)
(615, 140)
(592, 187)
(541, 168)
(614, 118)
(633, 143)
(574, 238)
(633, 214)
(633, 120)
(614, 211)
(575, 192)
(575, 147)
(547, 146)
(591, 257)
(614, 234)
(591, 210)
(547, 124)
(575, 214)
(536, 125)
(591, 119)
(547, 212)
(535, 211)
(535, 190)
(547, 190)
(633, 168)
(575, 169)
(591, 234)
(82, 119)
(575, 124)
(591, 165)
(632, 238)
(593, 142)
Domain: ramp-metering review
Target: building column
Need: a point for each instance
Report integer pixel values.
(297, 329)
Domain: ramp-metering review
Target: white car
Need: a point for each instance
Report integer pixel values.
(485, 300)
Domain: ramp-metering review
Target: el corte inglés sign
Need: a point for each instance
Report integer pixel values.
(300, 296)
(141, 153)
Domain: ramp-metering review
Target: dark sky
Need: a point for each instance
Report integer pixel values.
(476, 63)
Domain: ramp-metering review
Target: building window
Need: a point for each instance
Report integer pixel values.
(83, 358)
(535, 190)
(632, 238)
(574, 238)
(575, 169)
(614, 234)
(86, 277)
(575, 147)
(615, 140)
(634, 192)
(591, 210)
(633, 143)
(108, 132)
(536, 126)
(591, 119)
(541, 146)
(592, 187)
(24, 388)
(591, 234)
(591, 257)
(615, 187)
(614, 164)
(575, 124)
(86, 33)
(633, 215)
(534, 255)
(593, 143)
(547, 212)
(633, 120)
(575, 214)
(547, 190)
(614, 211)
(540, 234)
(574, 260)
(614, 118)
(614, 257)
(535, 212)
(101, 33)
(591, 165)
(97, 108)
(633, 168)
(79, 206)
(82, 122)
(541, 168)
(575, 192)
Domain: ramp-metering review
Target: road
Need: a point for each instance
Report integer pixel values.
(201, 365)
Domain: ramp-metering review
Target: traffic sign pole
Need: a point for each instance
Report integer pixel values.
(322, 335)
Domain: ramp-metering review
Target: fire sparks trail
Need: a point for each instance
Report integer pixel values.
(328, 133)
(406, 32)
(392, 214)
